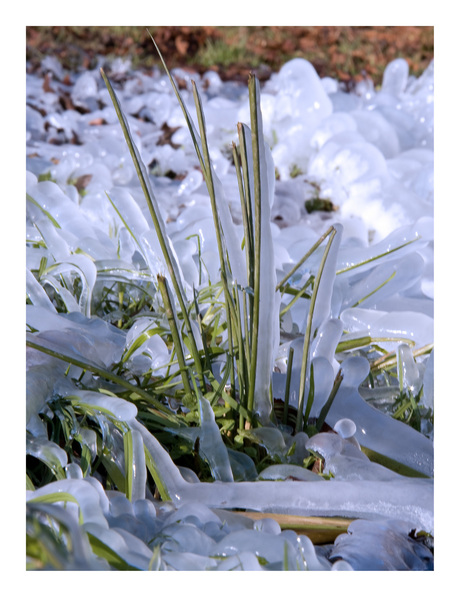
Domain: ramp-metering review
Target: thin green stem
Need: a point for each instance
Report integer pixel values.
(164, 411)
(158, 224)
(299, 294)
(308, 331)
(304, 258)
(287, 388)
(163, 285)
(329, 401)
(257, 236)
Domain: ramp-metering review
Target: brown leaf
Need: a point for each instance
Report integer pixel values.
(83, 181)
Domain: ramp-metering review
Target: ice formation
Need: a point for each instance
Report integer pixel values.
(369, 154)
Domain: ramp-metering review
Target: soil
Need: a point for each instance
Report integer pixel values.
(344, 53)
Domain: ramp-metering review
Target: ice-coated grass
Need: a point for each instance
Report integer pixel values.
(100, 415)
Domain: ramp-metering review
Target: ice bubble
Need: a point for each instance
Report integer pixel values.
(310, 556)
(376, 130)
(185, 251)
(277, 472)
(85, 87)
(212, 82)
(197, 510)
(344, 102)
(346, 428)
(267, 525)
(119, 503)
(344, 459)
(384, 281)
(336, 123)
(270, 437)
(190, 183)
(342, 162)
(86, 494)
(243, 467)
(215, 530)
(73, 471)
(327, 337)
(395, 77)
(211, 444)
(52, 64)
(298, 81)
(188, 474)
(186, 537)
(341, 566)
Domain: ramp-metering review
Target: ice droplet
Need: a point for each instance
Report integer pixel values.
(346, 428)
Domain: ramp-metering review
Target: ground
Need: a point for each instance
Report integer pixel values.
(344, 53)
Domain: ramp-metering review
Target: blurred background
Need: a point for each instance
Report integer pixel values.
(345, 53)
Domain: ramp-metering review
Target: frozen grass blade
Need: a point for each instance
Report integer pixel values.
(281, 285)
(159, 225)
(44, 346)
(135, 471)
(324, 411)
(309, 330)
(265, 312)
(170, 314)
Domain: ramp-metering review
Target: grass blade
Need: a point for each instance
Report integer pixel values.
(164, 241)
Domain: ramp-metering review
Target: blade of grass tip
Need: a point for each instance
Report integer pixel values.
(210, 182)
(243, 134)
(308, 331)
(170, 314)
(165, 243)
(248, 244)
(375, 257)
(229, 253)
(361, 300)
(202, 154)
(188, 119)
(125, 223)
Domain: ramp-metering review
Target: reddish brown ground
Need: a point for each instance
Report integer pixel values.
(345, 53)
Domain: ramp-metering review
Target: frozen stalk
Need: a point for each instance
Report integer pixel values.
(403, 498)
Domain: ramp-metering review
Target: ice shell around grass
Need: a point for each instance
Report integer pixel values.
(375, 430)
(345, 461)
(357, 547)
(277, 472)
(381, 141)
(410, 377)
